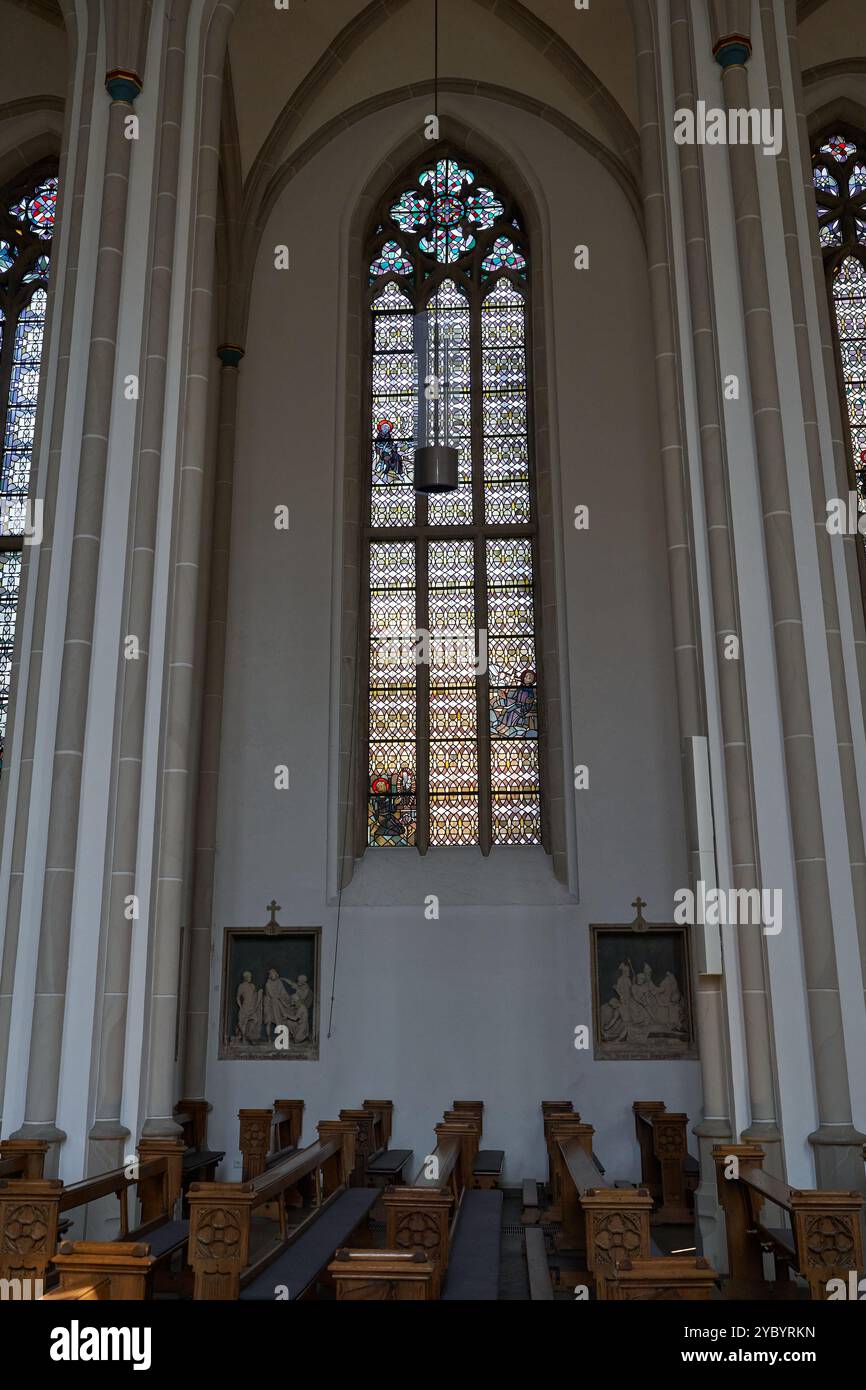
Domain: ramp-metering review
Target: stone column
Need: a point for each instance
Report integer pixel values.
(710, 1013)
(36, 569)
(838, 1145)
(107, 1132)
(123, 87)
(726, 617)
(198, 991)
(179, 745)
(797, 176)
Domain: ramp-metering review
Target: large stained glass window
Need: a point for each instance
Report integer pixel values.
(452, 738)
(27, 212)
(839, 175)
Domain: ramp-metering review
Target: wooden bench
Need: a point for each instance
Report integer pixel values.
(823, 1243)
(454, 1226)
(268, 1136)
(32, 1211)
(488, 1164)
(666, 1166)
(231, 1257)
(540, 1283)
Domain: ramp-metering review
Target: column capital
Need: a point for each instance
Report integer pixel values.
(122, 85)
(734, 50)
(229, 354)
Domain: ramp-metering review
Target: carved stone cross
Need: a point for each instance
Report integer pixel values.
(273, 908)
(639, 924)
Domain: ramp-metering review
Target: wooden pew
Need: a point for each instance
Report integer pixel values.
(453, 1224)
(662, 1277)
(824, 1241)
(22, 1158)
(610, 1224)
(268, 1136)
(31, 1211)
(666, 1166)
(102, 1270)
(199, 1162)
(233, 1258)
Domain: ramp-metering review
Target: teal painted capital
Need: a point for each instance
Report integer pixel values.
(122, 85)
(734, 50)
(229, 354)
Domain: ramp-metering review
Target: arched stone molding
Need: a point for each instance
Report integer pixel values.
(346, 614)
(254, 219)
(42, 118)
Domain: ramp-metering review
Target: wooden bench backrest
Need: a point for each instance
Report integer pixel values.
(662, 1139)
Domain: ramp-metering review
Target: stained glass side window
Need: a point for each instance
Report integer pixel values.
(454, 727)
(27, 217)
(849, 298)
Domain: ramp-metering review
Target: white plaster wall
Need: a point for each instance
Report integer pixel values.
(484, 1002)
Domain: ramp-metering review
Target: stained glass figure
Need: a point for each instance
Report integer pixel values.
(27, 218)
(452, 618)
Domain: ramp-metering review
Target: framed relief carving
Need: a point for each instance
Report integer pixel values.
(641, 991)
(270, 992)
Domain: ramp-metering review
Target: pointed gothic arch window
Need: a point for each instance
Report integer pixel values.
(839, 176)
(27, 213)
(455, 721)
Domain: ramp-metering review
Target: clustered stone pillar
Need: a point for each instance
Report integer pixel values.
(179, 750)
(710, 1011)
(726, 616)
(838, 1145)
(853, 550)
(107, 1129)
(37, 569)
(199, 947)
(59, 882)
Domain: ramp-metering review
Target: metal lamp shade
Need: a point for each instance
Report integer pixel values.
(436, 469)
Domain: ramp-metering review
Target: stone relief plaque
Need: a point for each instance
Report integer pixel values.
(641, 991)
(270, 992)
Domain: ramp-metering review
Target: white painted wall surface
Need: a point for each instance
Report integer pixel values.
(484, 1002)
